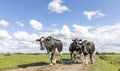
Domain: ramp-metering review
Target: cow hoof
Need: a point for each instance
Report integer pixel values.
(54, 63)
(51, 64)
(77, 60)
(86, 63)
(91, 62)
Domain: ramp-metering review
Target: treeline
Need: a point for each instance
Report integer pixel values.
(9, 54)
(110, 53)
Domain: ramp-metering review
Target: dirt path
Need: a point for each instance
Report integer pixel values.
(67, 66)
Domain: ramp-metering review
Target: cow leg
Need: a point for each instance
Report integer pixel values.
(91, 58)
(74, 58)
(54, 59)
(51, 58)
(81, 57)
(86, 62)
(71, 55)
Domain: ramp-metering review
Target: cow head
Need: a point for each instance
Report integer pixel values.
(76, 42)
(42, 42)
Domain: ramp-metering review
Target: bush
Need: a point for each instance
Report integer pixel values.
(7, 54)
(19, 53)
(112, 53)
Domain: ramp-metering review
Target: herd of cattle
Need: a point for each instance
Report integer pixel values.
(54, 47)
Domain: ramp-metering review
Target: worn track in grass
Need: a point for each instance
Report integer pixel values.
(67, 66)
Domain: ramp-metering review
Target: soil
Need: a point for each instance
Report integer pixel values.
(66, 66)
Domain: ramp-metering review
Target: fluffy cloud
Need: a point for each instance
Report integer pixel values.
(20, 42)
(4, 35)
(25, 42)
(57, 7)
(64, 32)
(4, 23)
(36, 24)
(93, 14)
(24, 36)
(82, 30)
(5, 39)
(106, 38)
(20, 24)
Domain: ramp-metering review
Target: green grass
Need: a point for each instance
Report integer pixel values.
(22, 60)
(107, 63)
(102, 63)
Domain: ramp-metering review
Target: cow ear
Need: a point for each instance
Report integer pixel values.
(80, 40)
(37, 39)
(72, 39)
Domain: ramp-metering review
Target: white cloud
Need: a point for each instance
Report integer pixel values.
(21, 42)
(4, 35)
(36, 24)
(57, 7)
(24, 36)
(93, 14)
(64, 32)
(82, 30)
(25, 42)
(5, 39)
(4, 23)
(106, 38)
(20, 24)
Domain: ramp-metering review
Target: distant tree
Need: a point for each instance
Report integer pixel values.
(36, 53)
(108, 53)
(19, 53)
(7, 54)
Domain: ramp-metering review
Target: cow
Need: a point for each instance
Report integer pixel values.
(53, 46)
(88, 47)
(75, 49)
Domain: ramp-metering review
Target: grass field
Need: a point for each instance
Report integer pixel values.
(107, 63)
(102, 63)
(24, 60)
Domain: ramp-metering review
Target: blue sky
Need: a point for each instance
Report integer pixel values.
(97, 21)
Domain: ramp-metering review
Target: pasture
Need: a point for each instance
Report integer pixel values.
(25, 60)
(107, 63)
(102, 63)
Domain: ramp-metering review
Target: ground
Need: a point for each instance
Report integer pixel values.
(67, 66)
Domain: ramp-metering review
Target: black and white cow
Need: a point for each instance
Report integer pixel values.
(75, 49)
(88, 47)
(53, 46)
